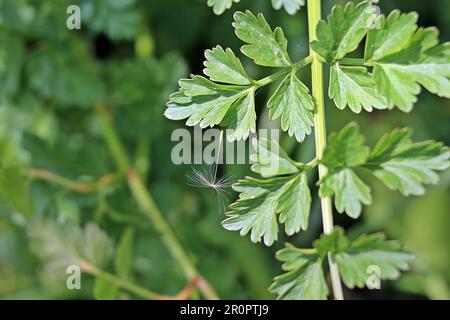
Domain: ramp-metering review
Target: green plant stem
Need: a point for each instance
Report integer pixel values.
(147, 204)
(76, 186)
(314, 15)
(273, 77)
(120, 282)
(353, 62)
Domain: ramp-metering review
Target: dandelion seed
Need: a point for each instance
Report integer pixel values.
(206, 177)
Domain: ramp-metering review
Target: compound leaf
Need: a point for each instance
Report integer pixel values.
(206, 103)
(405, 57)
(60, 245)
(345, 151)
(405, 166)
(365, 257)
(304, 278)
(261, 200)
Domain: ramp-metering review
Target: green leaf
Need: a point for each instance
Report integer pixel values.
(68, 209)
(266, 47)
(206, 103)
(60, 245)
(241, 118)
(358, 259)
(293, 103)
(344, 30)
(223, 66)
(271, 160)
(391, 35)
(118, 19)
(65, 76)
(14, 181)
(14, 189)
(219, 6)
(353, 86)
(261, 200)
(104, 289)
(123, 261)
(405, 166)
(11, 63)
(351, 192)
(415, 59)
(345, 151)
(304, 278)
(291, 6)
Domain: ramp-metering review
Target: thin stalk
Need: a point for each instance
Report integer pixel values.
(120, 282)
(273, 77)
(147, 204)
(353, 62)
(134, 288)
(314, 14)
(76, 186)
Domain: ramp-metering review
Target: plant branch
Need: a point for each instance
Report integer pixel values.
(82, 187)
(314, 15)
(147, 204)
(273, 77)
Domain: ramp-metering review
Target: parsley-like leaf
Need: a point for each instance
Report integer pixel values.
(60, 245)
(351, 192)
(241, 118)
(353, 86)
(293, 103)
(345, 151)
(66, 76)
(219, 6)
(356, 258)
(291, 6)
(356, 261)
(207, 103)
(405, 166)
(304, 278)
(405, 57)
(391, 35)
(271, 160)
(118, 19)
(223, 66)
(266, 47)
(344, 30)
(261, 200)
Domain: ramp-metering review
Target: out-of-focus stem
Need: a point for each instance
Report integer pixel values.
(147, 204)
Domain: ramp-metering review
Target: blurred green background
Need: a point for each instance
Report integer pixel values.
(130, 53)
